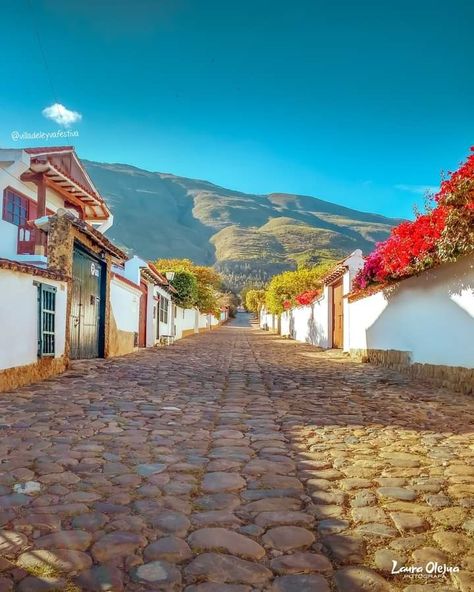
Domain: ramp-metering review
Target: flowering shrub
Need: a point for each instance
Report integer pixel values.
(307, 297)
(441, 234)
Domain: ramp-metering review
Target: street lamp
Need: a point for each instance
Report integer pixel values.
(169, 275)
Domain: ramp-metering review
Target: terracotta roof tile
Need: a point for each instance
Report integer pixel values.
(48, 149)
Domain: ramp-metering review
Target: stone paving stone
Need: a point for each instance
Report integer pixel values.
(246, 433)
(160, 574)
(171, 549)
(360, 579)
(11, 543)
(41, 584)
(62, 560)
(218, 481)
(101, 578)
(215, 539)
(301, 563)
(227, 569)
(116, 544)
(286, 538)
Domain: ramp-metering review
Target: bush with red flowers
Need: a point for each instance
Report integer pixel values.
(443, 233)
(307, 297)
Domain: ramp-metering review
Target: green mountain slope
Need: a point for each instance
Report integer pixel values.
(246, 236)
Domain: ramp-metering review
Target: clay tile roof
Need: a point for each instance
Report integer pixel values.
(96, 236)
(46, 149)
(335, 273)
(32, 270)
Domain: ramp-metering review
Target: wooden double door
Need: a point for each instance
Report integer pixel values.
(337, 316)
(87, 306)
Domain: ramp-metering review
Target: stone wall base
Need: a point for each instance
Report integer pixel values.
(457, 378)
(120, 342)
(12, 378)
(187, 332)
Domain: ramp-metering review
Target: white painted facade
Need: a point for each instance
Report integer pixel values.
(13, 163)
(125, 302)
(164, 327)
(313, 323)
(19, 318)
(430, 315)
(185, 321)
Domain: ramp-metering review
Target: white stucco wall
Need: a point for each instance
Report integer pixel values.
(431, 316)
(204, 321)
(19, 318)
(185, 320)
(313, 323)
(125, 301)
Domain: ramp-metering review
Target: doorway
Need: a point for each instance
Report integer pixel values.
(337, 316)
(87, 303)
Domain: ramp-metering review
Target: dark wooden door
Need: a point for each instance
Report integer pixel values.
(337, 316)
(142, 317)
(86, 306)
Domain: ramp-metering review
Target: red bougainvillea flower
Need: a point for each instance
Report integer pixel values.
(438, 235)
(307, 297)
(287, 304)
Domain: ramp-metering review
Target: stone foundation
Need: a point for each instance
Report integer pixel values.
(12, 378)
(456, 378)
(188, 332)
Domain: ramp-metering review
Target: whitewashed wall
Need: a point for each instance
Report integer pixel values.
(125, 301)
(313, 323)
(268, 320)
(19, 318)
(185, 320)
(431, 316)
(204, 321)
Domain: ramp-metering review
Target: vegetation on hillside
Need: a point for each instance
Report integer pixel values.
(246, 237)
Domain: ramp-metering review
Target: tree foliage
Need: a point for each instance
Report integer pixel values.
(207, 283)
(254, 300)
(285, 287)
(186, 285)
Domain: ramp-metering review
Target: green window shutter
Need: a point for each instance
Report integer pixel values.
(46, 320)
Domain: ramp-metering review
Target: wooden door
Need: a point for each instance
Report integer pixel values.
(86, 318)
(142, 316)
(337, 316)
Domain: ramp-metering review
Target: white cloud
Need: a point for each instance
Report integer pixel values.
(418, 189)
(61, 115)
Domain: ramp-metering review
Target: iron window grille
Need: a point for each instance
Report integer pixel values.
(46, 320)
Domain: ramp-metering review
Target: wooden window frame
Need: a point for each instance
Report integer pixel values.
(164, 311)
(24, 198)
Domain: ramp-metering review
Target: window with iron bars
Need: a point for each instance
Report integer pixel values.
(46, 320)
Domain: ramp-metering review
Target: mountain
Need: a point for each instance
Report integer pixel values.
(247, 237)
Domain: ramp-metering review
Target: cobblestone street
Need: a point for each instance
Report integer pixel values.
(234, 461)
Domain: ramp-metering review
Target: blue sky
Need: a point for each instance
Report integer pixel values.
(360, 102)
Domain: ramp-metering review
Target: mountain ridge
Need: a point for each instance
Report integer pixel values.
(246, 236)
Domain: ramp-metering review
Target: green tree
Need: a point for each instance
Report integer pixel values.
(185, 284)
(254, 300)
(207, 282)
(285, 286)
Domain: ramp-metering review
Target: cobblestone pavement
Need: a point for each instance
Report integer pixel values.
(234, 461)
